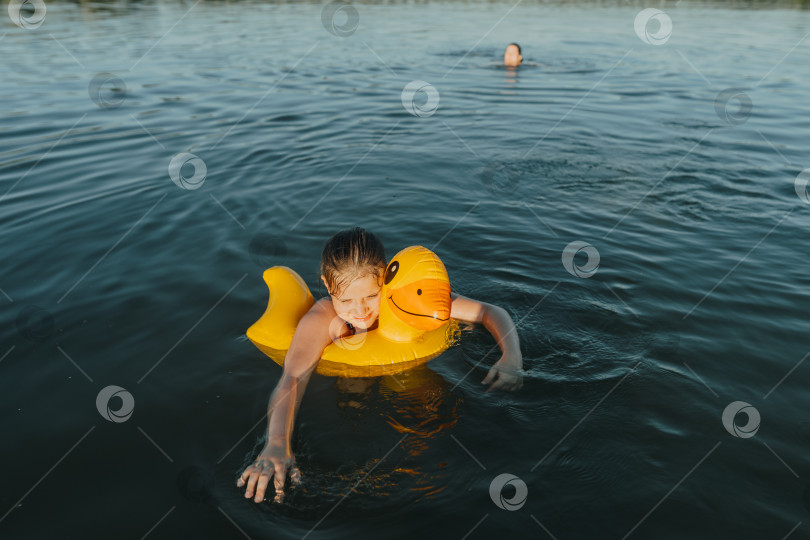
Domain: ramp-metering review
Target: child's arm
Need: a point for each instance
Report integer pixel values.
(506, 373)
(276, 458)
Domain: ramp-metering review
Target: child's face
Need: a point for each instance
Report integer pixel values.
(359, 301)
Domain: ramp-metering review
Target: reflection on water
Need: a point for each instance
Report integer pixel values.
(699, 299)
(410, 412)
(421, 405)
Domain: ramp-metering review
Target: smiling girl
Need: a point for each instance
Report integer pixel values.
(352, 268)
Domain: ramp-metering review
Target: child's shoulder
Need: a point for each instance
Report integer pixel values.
(323, 306)
(323, 312)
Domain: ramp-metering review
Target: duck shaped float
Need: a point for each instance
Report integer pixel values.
(414, 320)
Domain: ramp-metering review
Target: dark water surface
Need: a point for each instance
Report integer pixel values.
(691, 198)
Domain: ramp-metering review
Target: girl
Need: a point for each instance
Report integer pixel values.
(352, 268)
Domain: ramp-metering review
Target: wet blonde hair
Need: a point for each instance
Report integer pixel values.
(350, 254)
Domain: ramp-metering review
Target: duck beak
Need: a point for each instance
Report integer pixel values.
(423, 304)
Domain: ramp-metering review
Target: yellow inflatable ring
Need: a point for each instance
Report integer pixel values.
(414, 321)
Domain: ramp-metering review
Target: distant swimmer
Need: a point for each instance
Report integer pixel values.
(512, 57)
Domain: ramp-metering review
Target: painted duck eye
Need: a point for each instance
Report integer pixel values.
(393, 268)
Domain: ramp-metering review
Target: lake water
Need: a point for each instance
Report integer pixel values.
(666, 387)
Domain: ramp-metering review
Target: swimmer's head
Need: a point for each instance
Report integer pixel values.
(512, 57)
(352, 267)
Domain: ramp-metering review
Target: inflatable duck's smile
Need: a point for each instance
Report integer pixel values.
(422, 304)
(417, 289)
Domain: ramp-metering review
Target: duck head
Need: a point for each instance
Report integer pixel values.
(416, 295)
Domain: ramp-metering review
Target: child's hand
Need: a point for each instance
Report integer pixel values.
(274, 462)
(506, 374)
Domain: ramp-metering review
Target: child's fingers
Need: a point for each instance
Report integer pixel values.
(242, 478)
(251, 483)
(252, 475)
(281, 476)
(490, 376)
(497, 384)
(264, 479)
